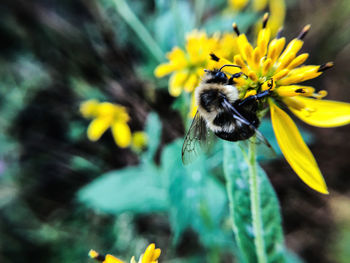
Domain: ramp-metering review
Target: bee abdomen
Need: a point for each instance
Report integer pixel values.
(243, 133)
(223, 119)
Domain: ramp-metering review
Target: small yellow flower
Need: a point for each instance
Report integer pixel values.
(272, 66)
(139, 140)
(187, 66)
(104, 259)
(107, 115)
(151, 255)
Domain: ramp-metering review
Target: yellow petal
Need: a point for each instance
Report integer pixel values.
(112, 259)
(93, 254)
(228, 46)
(163, 70)
(238, 60)
(248, 54)
(191, 82)
(148, 255)
(252, 75)
(89, 108)
(281, 74)
(301, 74)
(287, 59)
(295, 90)
(292, 102)
(275, 48)
(292, 79)
(278, 13)
(295, 150)
(177, 58)
(298, 61)
(176, 83)
(323, 113)
(139, 140)
(242, 42)
(237, 4)
(293, 47)
(121, 134)
(121, 114)
(108, 258)
(193, 107)
(107, 109)
(156, 254)
(97, 127)
(220, 63)
(256, 59)
(263, 40)
(250, 93)
(266, 66)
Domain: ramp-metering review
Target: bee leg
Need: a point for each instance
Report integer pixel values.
(256, 97)
(234, 76)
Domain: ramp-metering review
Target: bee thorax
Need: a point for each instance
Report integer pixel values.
(209, 97)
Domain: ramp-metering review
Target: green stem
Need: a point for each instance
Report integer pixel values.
(130, 18)
(255, 204)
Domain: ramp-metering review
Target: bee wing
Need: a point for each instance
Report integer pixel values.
(261, 138)
(195, 139)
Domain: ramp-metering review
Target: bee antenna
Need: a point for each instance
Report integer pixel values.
(229, 65)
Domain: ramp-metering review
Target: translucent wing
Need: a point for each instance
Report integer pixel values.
(195, 140)
(260, 138)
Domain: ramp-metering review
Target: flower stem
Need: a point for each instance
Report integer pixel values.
(131, 19)
(255, 204)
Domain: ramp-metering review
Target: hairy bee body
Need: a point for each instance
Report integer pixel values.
(210, 95)
(221, 110)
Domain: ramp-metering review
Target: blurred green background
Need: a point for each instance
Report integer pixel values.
(61, 194)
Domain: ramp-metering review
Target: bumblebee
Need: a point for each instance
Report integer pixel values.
(221, 110)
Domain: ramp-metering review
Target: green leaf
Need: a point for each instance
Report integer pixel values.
(292, 258)
(197, 199)
(135, 189)
(153, 130)
(237, 175)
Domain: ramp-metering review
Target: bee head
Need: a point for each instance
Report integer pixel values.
(215, 76)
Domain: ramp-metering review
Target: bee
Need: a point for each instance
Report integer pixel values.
(221, 111)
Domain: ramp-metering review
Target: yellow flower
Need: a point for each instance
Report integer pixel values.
(139, 140)
(187, 66)
(151, 255)
(277, 9)
(272, 66)
(107, 115)
(104, 259)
